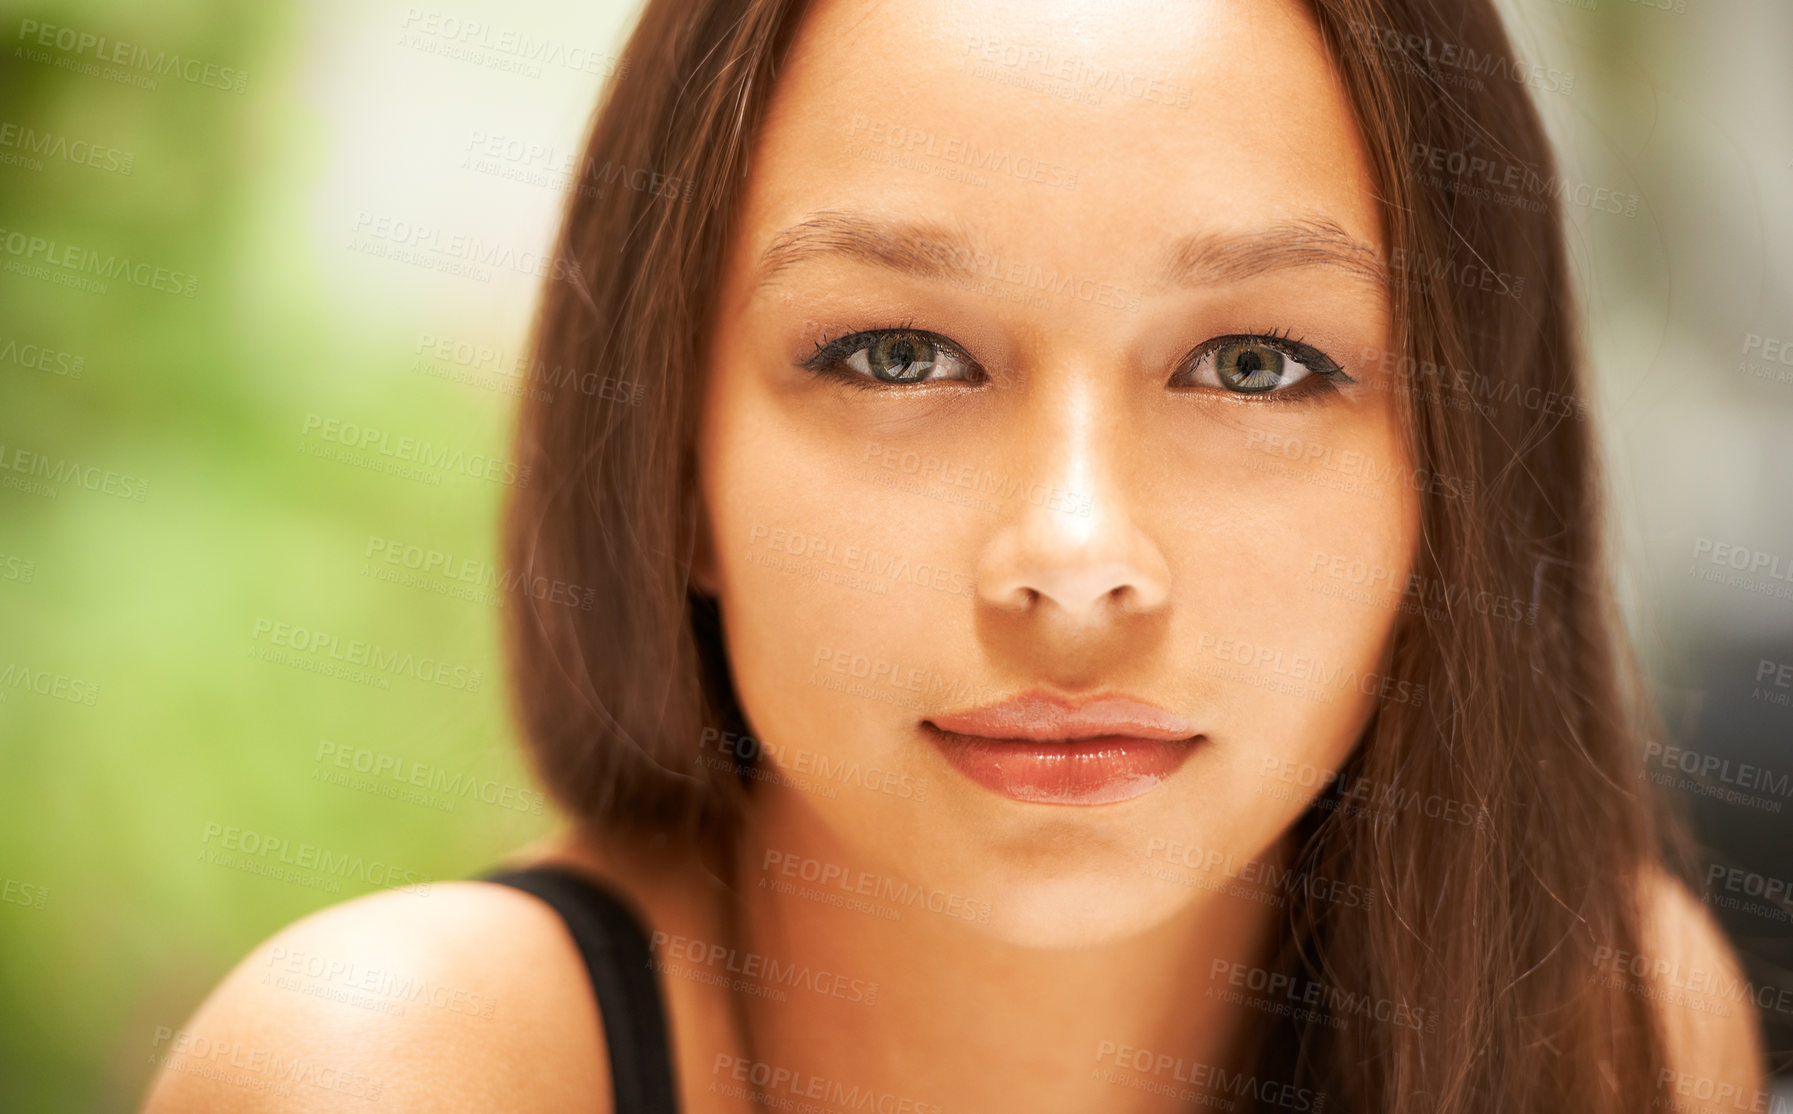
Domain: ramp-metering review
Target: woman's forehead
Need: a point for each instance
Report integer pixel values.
(1109, 129)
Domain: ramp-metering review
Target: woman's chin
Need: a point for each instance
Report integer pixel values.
(1076, 912)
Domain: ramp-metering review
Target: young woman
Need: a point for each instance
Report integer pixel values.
(1102, 604)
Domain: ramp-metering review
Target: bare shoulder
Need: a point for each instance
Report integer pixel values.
(1711, 1031)
(465, 996)
(448, 999)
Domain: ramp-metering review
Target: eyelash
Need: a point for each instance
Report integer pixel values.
(1323, 372)
(831, 353)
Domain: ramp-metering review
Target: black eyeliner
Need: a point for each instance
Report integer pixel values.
(1324, 372)
(831, 354)
(830, 349)
(1296, 349)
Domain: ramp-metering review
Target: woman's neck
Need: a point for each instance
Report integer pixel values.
(926, 1006)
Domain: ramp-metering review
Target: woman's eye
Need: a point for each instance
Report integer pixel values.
(894, 357)
(1256, 365)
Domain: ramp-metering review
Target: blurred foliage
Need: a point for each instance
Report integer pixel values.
(155, 602)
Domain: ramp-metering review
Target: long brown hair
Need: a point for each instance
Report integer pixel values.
(1536, 725)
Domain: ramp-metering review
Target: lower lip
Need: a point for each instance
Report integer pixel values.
(1096, 771)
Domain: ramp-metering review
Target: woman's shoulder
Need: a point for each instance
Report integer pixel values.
(1709, 1022)
(461, 995)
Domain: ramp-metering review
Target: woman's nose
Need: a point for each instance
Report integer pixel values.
(1071, 544)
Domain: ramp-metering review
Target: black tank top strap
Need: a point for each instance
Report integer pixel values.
(614, 945)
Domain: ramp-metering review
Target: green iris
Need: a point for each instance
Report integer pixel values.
(1248, 368)
(900, 357)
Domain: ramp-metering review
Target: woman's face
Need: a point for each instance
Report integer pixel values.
(973, 433)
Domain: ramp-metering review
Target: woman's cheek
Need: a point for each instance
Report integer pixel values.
(1285, 650)
(842, 601)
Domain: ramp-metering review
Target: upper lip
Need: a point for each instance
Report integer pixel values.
(1048, 718)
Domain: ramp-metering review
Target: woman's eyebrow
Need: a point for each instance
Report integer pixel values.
(930, 249)
(1213, 257)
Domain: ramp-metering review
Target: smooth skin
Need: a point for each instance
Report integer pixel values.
(1064, 504)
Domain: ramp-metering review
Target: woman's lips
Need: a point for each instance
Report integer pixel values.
(1047, 750)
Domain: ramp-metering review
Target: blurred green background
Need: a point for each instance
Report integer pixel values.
(202, 404)
(115, 919)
